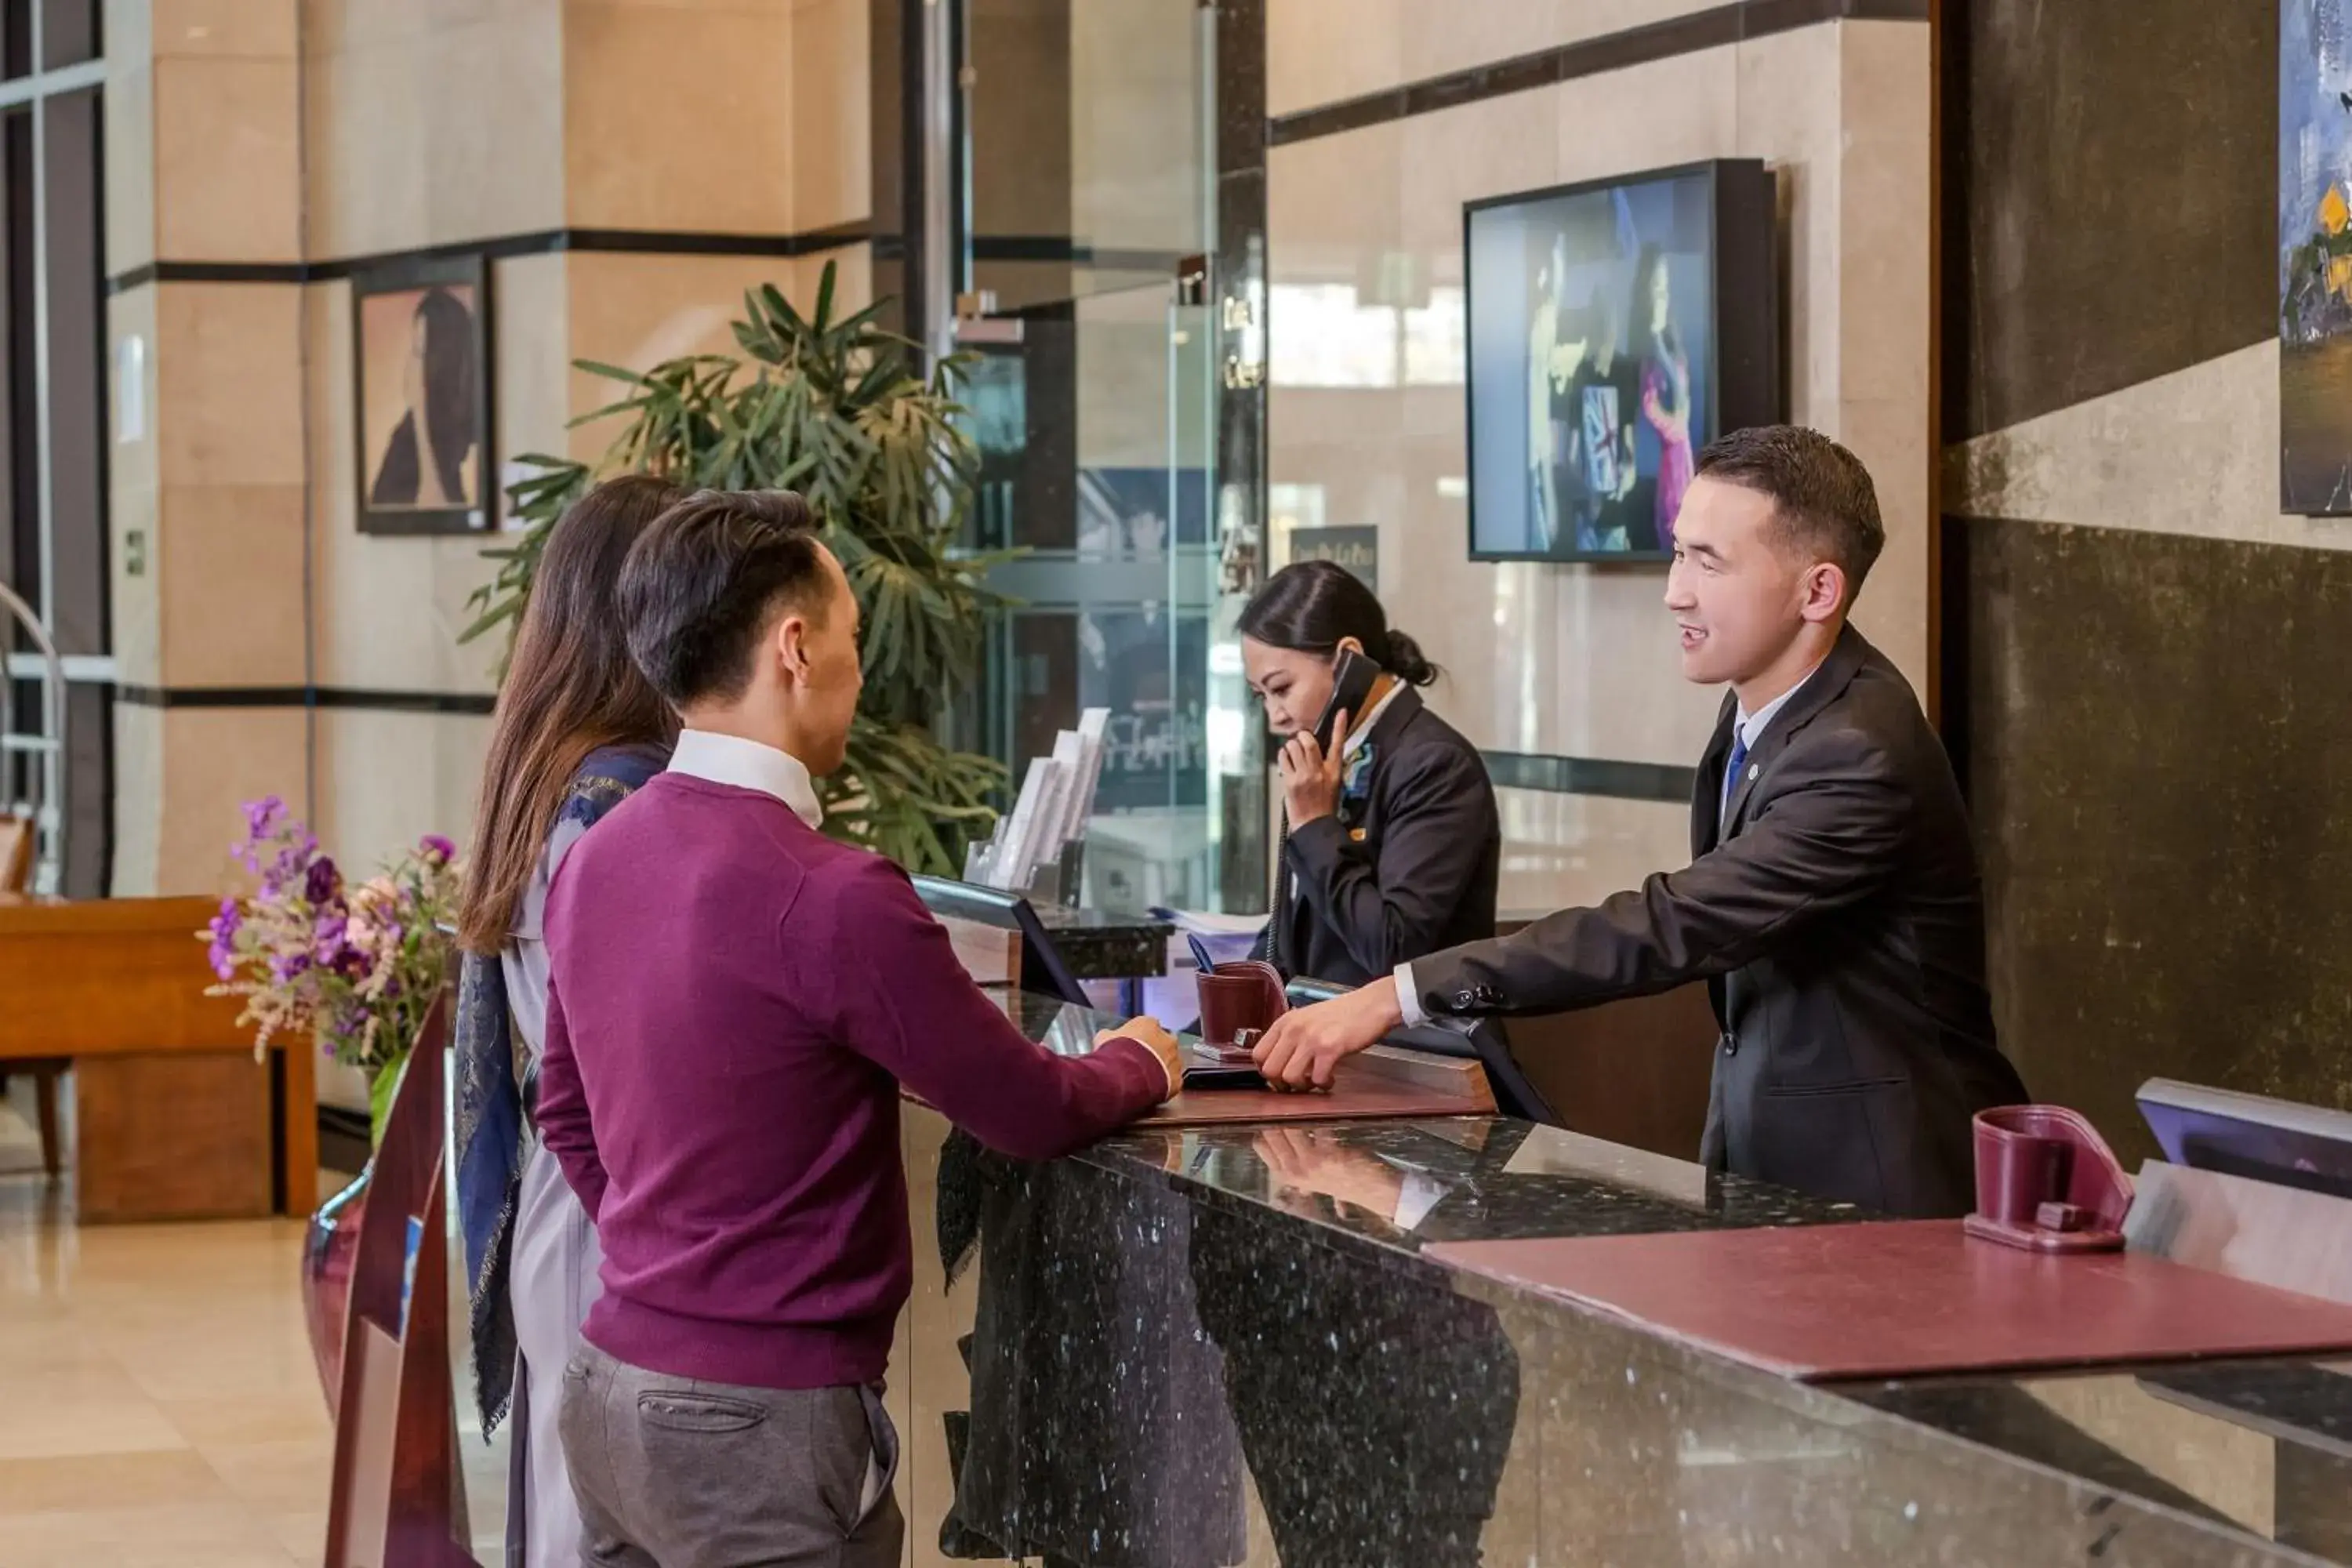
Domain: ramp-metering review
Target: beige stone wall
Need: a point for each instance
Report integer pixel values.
(1322, 51)
(1568, 658)
(278, 132)
(2192, 453)
(1137, 125)
(431, 122)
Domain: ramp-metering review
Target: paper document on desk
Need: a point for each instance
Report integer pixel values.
(1203, 924)
(1228, 938)
(1093, 725)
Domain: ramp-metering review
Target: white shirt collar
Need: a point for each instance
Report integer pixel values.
(1359, 735)
(1360, 731)
(748, 764)
(1753, 725)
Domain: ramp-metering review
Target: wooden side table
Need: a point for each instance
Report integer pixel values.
(174, 1118)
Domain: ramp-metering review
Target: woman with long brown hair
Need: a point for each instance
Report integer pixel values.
(577, 729)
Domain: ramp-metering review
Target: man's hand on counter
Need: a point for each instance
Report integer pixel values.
(1147, 1032)
(1305, 1159)
(1305, 1047)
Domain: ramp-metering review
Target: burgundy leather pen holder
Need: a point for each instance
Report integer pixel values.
(2047, 1182)
(1239, 1001)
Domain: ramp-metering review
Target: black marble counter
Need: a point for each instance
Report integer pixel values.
(1223, 1347)
(1100, 946)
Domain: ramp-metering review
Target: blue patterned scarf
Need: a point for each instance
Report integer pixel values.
(491, 1107)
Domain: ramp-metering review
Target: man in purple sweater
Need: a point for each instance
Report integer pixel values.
(733, 1003)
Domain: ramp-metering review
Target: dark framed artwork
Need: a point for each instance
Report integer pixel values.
(421, 374)
(2314, 258)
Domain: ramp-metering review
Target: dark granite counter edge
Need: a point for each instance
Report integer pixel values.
(1837, 1407)
(1128, 1164)
(1119, 1155)
(1098, 946)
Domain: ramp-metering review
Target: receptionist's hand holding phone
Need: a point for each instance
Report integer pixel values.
(1311, 760)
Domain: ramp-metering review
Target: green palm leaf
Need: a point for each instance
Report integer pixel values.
(832, 408)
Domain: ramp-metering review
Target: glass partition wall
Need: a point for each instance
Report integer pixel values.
(56, 715)
(1084, 218)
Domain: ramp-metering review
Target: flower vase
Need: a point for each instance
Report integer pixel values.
(384, 1087)
(329, 1250)
(333, 1244)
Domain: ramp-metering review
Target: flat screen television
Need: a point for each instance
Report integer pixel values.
(1616, 328)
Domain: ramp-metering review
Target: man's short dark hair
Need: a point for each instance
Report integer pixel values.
(707, 580)
(1822, 499)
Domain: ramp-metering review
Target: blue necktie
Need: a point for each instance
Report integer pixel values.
(1731, 779)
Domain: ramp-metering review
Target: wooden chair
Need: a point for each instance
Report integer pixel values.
(397, 1499)
(17, 847)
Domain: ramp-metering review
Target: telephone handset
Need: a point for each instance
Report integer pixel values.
(1352, 678)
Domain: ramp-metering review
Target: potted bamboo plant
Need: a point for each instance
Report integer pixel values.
(832, 408)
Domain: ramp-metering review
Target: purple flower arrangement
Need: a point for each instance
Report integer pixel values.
(354, 966)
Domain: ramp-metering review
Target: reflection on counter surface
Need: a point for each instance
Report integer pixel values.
(2265, 1445)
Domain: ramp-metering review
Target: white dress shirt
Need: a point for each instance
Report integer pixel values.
(1360, 727)
(1751, 727)
(748, 764)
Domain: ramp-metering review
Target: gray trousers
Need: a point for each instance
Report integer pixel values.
(672, 1472)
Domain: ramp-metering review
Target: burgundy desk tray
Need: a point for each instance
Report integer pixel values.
(1908, 1298)
(1238, 1000)
(1360, 1089)
(2047, 1182)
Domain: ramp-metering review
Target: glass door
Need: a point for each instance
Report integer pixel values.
(1081, 267)
(1093, 419)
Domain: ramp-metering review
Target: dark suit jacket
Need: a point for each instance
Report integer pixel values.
(1421, 877)
(1839, 925)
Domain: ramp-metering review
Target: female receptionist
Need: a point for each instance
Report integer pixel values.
(1392, 844)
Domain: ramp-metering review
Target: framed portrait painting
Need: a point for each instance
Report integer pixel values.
(420, 363)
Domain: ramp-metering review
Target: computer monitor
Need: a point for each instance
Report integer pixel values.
(1487, 1045)
(2276, 1140)
(1043, 968)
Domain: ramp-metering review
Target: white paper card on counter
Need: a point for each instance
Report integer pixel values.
(1012, 855)
(1070, 755)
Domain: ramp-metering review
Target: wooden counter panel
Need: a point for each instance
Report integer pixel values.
(183, 1136)
(1907, 1299)
(110, 975)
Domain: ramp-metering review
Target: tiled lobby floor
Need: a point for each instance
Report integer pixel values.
(158, 1402)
